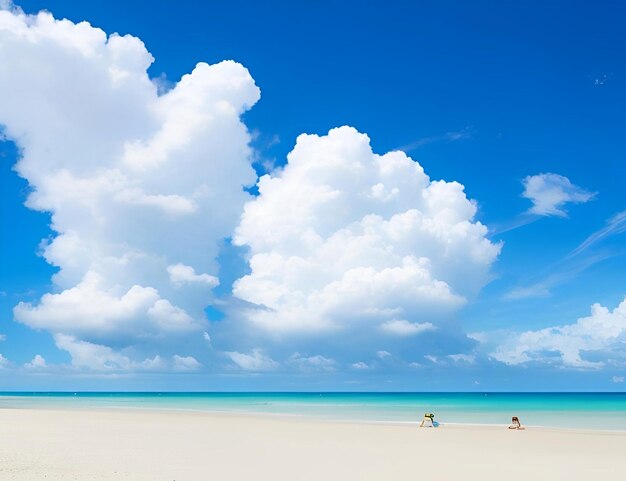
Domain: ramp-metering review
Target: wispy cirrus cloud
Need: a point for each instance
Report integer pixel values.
(512, 224)
(560, 273)
(463, 134)
(615, 225)
(576, 262)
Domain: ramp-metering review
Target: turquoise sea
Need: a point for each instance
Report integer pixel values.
(562, 410)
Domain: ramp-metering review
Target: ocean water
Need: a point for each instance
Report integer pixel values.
(604, 411)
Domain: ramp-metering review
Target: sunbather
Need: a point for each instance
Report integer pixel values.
(428, 421)
(515, 424)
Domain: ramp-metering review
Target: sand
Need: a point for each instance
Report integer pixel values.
(37, 444)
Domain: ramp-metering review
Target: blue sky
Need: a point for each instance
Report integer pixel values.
(521, 103)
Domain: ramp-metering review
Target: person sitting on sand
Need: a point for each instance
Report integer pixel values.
(428, 421)
(515, 424)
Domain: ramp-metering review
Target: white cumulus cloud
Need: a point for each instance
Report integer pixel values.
(186, 363)
(142, 186)
(344, 239)
(100, 357)
(468, 358)
(590, 342)
(92, 356)
(181, 274)
(7, 5)
(549, 194)
(256, 360)
(402, 327)
(89, 310)
(38, 362)
(312, 363)
(359, 365)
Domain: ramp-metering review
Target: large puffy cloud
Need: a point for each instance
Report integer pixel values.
(342, 239)
(590, 342)
(550, 193)
(141, 187)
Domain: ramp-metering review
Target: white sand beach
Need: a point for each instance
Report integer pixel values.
(136, 445)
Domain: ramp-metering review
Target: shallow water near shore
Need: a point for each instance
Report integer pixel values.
(603, 411)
